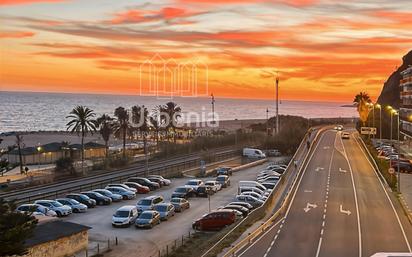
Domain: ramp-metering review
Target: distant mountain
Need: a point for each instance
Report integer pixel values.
(390, 92)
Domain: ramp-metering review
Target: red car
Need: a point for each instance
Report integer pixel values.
(140, 189)
(215, 220)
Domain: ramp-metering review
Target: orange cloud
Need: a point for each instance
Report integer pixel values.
(16, 34)
(15, 2)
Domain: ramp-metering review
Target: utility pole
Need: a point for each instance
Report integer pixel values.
(277, 103)
(213, 108)
(267, 121)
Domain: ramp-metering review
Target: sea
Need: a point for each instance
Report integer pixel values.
(28, 111)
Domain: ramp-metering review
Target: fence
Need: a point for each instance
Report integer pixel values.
(95, 248)
(163, 168)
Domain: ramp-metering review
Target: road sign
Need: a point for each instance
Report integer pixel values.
(391, 170)
(368, 130)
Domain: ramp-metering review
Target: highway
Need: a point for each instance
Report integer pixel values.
(339, 208)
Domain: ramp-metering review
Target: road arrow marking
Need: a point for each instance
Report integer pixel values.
(344, 211)
(341, 170)
(308, 191)
(326, 147)
(319, 169)
(309, 206)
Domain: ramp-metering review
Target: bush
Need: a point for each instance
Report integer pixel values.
(65, 164)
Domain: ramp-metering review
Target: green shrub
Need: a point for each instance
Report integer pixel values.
(65, 164)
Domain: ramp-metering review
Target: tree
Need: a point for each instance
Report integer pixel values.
(19, 143)
(172, 112)
(105, 124)
(362, 101)
(122, 125)
(155, 124)
(15, 228)
(81, 122)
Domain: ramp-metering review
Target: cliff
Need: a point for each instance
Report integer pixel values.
(390, 91)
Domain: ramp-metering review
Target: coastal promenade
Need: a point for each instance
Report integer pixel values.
(340, 208)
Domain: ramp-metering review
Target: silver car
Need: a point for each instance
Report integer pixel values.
(166, 210)
(60, 209)
(36, 209)
(126, 194)
(75, 205)
(113, 196)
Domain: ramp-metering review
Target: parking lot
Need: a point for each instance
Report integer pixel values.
(148, 242)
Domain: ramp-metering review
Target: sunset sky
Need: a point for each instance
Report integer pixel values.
(323, 49)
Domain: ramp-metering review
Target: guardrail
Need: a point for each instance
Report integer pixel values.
(160, 167)
(262, 228)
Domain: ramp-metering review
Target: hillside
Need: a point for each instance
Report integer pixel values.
(390, 91)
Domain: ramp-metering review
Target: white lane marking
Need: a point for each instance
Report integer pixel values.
(308, 191)
(342, 170)
(326, 196)
(347, 212)
(387, 196)
(309, 206)
(356, 199)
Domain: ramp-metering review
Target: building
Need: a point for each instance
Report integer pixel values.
(50, 153)
(406, 102)
(56, 238)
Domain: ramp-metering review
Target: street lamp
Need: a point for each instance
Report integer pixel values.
(399, 150)
(380, 121)
(391, 114)
(39, 148)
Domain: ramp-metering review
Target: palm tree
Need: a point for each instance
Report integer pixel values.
(105, 124)
(155, 124)
(173, 113)
(122, 125)
(81, 122)
(20, 144)
(362, 101)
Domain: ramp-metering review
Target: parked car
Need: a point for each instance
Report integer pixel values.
(148, 219)
(224, 171)
(99, 198)
(273, 152)
(243, 210)
(134, 190)
(36, 209)
(145, 182)
(345, 135)
(243, 204)
(148, 203)
(107, 193)
(273, 179)
(223, 180)
(254, 194)
(139, 188)
(125, 216)
(60, 209)
(250, 183)
(253, 189)
(269, 185)
(165, 181)
(255, 202)
(75, 205)
(180, 204)
(194, 183)
(214, 185)
(267, 174)
(253, 153)
(84, 199)
(204, 191)
(166, 210)
(156, 180)
(126, 194)
(183, 192)
(215, 220)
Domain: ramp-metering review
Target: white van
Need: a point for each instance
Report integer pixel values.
(253, 153)
(125, 216)
(252, 184)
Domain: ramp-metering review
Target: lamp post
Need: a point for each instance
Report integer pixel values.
(380, 121)
(38, 150)
(399, 149)
(391, 114)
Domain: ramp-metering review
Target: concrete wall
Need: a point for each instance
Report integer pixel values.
(62, 247)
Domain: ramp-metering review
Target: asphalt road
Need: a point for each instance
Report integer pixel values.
(340, 208)
(148, 242)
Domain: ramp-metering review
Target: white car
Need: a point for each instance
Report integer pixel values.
(255, 202)
(125, 216)
(134, 190)
(60, 209)
(256, 195)
(273, 179)
(214, 185)
(194, 183)
(36, 209)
